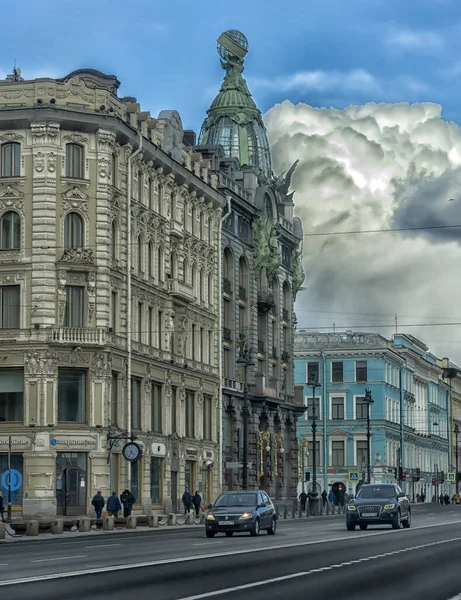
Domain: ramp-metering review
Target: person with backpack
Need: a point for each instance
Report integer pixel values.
(98, 504)
(127, 499)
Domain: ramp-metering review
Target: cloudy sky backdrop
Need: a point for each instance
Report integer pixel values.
(384, 153)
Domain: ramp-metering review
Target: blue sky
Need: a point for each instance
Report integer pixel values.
(323, 52)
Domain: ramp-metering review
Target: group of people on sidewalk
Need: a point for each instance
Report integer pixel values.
(114, 504)
(190, 502)
(332, 499)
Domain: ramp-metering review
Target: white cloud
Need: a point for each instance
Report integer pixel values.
(376, 166)
(415, 41)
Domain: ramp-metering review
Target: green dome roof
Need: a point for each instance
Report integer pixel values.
(234, 121)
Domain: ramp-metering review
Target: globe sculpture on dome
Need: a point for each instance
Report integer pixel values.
(234, 121)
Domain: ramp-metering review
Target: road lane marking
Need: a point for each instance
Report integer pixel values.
(58, 558)
(247, 586)
(182, 559)
(102, 545)
(207, 543)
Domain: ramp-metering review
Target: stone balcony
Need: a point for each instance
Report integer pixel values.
(86, 336)
(176, 229)
(232, 384)
(181, 290)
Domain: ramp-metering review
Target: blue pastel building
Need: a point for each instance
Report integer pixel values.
(409, 414)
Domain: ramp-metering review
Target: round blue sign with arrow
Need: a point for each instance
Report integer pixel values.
(15, 481)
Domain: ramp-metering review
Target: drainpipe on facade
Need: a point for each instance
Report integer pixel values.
(226, 214)
(128, 293)
(325, 421)
(402, 416)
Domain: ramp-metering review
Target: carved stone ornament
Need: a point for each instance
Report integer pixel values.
(45, 134)
(91, 309)
(104, 167)
(11, 136)
(11, 198)
(76, 138)
(74, 358)
(148, 385)
(61, 312)
(101, 364)
(39, 162)
(78, 255)
(106, 141)
(75, 199)
(51, 162)
(75, 87)
(91, 284)
(36, 363)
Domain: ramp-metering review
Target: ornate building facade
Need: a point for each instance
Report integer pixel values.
(261, 275)
(109, 298)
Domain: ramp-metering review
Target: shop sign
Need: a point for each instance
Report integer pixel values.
(17, 442)
(79, 442)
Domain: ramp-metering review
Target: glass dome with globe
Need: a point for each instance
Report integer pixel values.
(232, 46)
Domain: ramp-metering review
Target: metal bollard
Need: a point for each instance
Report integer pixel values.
(32, 528)
(84, 524)
(171, 519)
(2, 531)
(131, 522)
(57, 526)
(108, 523)
(153, 521)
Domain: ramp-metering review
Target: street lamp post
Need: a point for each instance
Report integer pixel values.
(369, 400)
(314, 385)
(303, 444)
(245, 360)
(456, 432)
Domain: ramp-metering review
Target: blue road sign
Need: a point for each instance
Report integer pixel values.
(354, 476)
(15, 481)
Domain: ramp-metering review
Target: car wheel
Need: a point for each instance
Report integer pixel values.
(229, 533)
(272, 528)
(210, 534)
(363, 526)
(256, 529)
(350, 527)
(397, 523)
(407, 523)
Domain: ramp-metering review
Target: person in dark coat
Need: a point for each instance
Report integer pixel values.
(113, 505)
(98, 503)
(197, 501)
(303, 498)
(2, 508)
(324, 498)
(187, 501)
(127, 499)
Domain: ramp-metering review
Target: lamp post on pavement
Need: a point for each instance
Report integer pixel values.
(314, 385)
(456, 432)
(369, 400)
(245, 360)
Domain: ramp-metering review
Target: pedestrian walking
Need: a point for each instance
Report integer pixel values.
(324, 498)
(127, 499)
(447, 499)
(332, 498)
(441, 498)
(197, 501)
(98, 503)
(2, 508)
(423, 496)
(187, 501)
(113, 505)
(302, 499)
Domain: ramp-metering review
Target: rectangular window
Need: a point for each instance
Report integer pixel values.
(361, 408)
(190, 414)
(140, 320)
(312, 371)
(202, 345)
(310, 408)
(337, 454)
(210, 348)
(362, 454)
(226, 363)
(114, 170)
(160, 329)
(207, 416)
(73, 315)
(114, 399)
(361, 370)
(136, 403)
(337, 372)
(135, 468)
(114, 459)
(11, 157)
(310, 456)
(113, 314)
(156, 480)
(194, 343)
(74, 161)
(157, 408)
(189, 476)
(151, 326)
(10, 307)
(140, 187)
(174, 410)
(337, 408)
(71, 396)
(11, 395)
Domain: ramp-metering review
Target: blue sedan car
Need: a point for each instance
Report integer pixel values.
(241, 511)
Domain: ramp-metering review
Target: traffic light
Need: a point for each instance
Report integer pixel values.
(341, 488)
(402, 474)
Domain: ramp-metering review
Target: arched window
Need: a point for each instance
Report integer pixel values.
(73, 231)
(74, 161)
(150, 259)
(243, 279)
(194, 280)
(11, 156)
(114, 240)
(173, 265)
(140, 254)
(160, 263)
(185, 270)
(286, 302)
(10, 231)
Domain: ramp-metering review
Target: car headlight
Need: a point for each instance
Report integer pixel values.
(351, 507)
(246, 515)
(389, 506)
(210, 517)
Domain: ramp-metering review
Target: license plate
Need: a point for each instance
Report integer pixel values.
(370, 514)
(225, 522)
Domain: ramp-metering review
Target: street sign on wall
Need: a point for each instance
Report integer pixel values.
(353, 476)
(451, 477)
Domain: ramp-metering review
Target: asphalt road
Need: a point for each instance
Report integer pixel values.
(315, 556)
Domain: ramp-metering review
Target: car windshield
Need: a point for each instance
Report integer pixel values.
(236, 500)
(376, 491)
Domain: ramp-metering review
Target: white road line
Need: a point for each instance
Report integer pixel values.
(41, 560)
(103, 545)
(4, 564)
(458, 597)
(247, 586)
(207, 543)
(182, 559)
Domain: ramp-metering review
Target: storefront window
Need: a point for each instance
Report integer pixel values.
(135, 481)
(11, 395)
(189, 475)
(71, 396)
(156, 466)
(16, 478)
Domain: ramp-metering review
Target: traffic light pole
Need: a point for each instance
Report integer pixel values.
(457, 456)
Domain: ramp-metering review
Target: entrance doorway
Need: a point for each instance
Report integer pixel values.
(71, 483)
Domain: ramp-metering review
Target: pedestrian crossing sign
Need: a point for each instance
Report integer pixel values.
(451, 477)
(354, 476)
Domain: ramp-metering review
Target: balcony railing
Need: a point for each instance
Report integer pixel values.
(79, 335)
(232, 384)
(265, 302)
(274, 352)
(181, 290)
(261, 346)
(242, 293)
(226, 334)
(227, 286)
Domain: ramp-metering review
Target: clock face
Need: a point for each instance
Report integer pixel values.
(131, 451)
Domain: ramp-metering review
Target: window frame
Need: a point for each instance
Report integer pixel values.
(136, 407)
(160, 463)
(360, 401)
(69, 320)
(207, 417)
(14, 159)
(190, 414)
(333, 450)
(157, 408)
(361, 368)
(72, 163)
(84, 392)
(70, 230)
(15, 231)
(21, 410)
(15, 306)
(333, 378)
(333, 417)
(313, 363)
